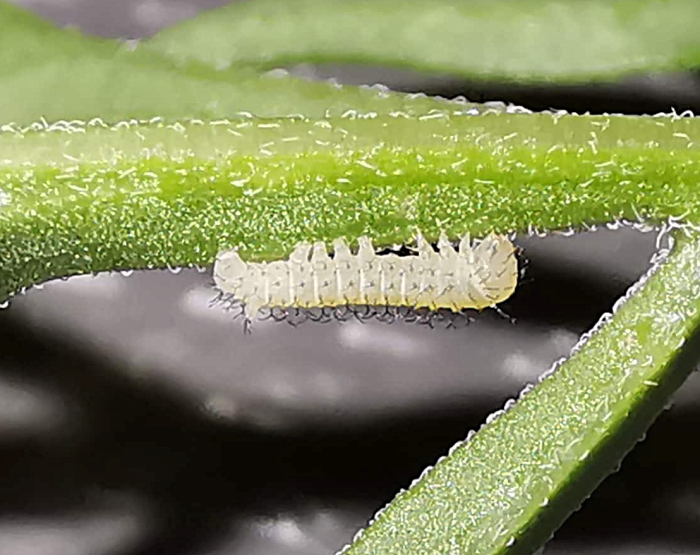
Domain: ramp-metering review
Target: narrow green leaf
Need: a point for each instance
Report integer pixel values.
(90, 198)
(526, 40)
(61, 75)
(510, 487)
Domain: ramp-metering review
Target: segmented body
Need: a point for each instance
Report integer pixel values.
(480, 274)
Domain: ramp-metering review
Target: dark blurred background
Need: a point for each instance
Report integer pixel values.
(136, 419)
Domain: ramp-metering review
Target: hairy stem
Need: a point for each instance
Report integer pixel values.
(507, 489)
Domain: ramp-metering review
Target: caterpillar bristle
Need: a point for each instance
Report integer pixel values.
(295, 316)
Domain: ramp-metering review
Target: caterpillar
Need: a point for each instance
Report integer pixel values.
(480, 274)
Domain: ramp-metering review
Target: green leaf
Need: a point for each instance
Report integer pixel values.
(91, 198)
(61, 75)
(525, 40)
(510, 487)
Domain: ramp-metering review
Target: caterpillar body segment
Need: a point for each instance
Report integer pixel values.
(480, 274)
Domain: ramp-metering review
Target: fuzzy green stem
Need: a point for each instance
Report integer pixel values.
(89, 198)
(510, 487)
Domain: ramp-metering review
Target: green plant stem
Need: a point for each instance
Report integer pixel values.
(523, 40)
(510, 487)
(146, 196)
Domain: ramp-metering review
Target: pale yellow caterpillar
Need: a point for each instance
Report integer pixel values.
(480, 274)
